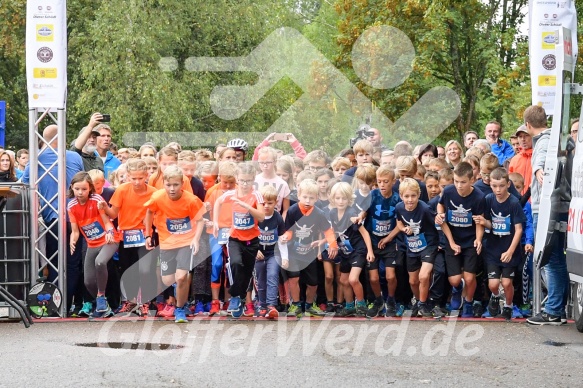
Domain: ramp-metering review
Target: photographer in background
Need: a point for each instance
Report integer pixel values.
(299, 150)
(85, 144)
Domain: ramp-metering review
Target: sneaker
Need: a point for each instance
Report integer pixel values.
(468, 310)
(330, 309)
(215, 307)
(415, 309)
(294, 310)
(86, 310)
(478, 309)
(168, 311)
(180, 315)
(237, 313)
(437, 312)
(516, 313)
(390, 310)
(323, 306)
(545, 319)
(507, 313)
(338, 307)
(144, 310)
(249, 310)
(400, 310)
(160, 306)
(494, 306)
(198, 308)
(361, 309)
(272, 312)
(125, 309)
(260, 312)
(225, 306)
(347, 312)
(375, 308)
(189, 309)
(314, 311)
(101, 305)
(207, 307)
(525, 310)
(487, 314)
(234, 304)
(424, 310)
(563, 318)
(456, 296)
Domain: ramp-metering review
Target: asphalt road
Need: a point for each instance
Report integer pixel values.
(327, 353)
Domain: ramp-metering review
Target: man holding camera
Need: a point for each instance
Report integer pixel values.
(85, 144)
(373, 135)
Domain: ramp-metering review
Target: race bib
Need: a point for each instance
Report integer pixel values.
(223, 236)
(417, 243)
(501, 226)
(381, 227)
(302, 249)
(93, 231)
(243, 221)
(133, 238)
(268, 237)
(179, 225)
(458, 218)
(345, 247)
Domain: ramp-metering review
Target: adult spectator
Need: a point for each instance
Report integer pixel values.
(453, 151)
(515, 144)
(7, 170)
(574, 130)
(48, 189)
(376, 139)
(110, 161)
(22, 156)
(441, 152)
(501, 148)
(483, 145)
(557, 276)
(426, 153)
(403, 148)
(469, 138)
(521, 162)
(85, 144)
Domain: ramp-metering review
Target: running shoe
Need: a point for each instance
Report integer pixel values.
(199, 308)
(101, 305)
(478, 309)
(415, 309)
(391, 309)
(125, 309)
(86, 310)
(375, 308)
(294, 311)
(348, 311)
(361, 309)
(238, 313)
(400, 310)
(507, 313)
(180, 315)
(330, 309)
(215, 307)
(516, 313)
(272, 312)
(314, 311)
(168, 311)
(249, 310)
(102, 314)
(468, 310)
(438, 312)
(494, 306)
(456, 296)
(234, 304)
(425, 311)
(545, 319)
(260, 312)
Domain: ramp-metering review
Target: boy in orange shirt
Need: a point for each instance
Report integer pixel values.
(178, 219)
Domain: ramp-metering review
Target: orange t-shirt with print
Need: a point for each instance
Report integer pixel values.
(244, 226)
(88, 219)
(175, 221)
(131, 206)
(226, 216)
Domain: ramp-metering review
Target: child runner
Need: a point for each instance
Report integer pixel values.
(354, 248)
(457, 205)
(504, 217)
(417, 221)
(247, 208)
(177, 215)
(266, 159)
(102, 241)
(266, 265)
(381, 221)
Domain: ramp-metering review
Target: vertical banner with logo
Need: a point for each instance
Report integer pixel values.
(46, 53)
(2, 122)
(546, 17)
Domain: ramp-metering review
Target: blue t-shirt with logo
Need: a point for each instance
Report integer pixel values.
(459, 212)
(421, 220)
(380, 217)
(271, 229)
(433, 206)
(503, 217)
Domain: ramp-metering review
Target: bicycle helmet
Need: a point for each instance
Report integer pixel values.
(238, 145)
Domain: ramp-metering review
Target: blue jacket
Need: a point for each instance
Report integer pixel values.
(528, 232)
(503, 150)
(110, 164)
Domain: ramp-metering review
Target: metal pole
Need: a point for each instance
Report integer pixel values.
(62, 201)
(536, 289)
(33, 196)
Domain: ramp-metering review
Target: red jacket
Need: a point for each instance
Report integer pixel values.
(521, 164)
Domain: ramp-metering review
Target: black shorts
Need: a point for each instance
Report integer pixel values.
(388, 255)
(496, 271)
(308, 275)
(426, 256)
(325, 257)
(467, 261)
(356, 259)
(173, 259)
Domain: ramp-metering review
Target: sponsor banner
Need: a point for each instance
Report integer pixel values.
(546, 17)
(46, 53)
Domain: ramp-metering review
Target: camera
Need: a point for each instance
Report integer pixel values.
(363, 132)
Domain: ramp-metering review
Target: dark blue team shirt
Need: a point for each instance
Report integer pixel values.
(433, 206)
(422, 221)
(306, 229)
(361, 202)
(503, 216)
(380, 217)
(459, 212)
(347, 233)
(271, 228)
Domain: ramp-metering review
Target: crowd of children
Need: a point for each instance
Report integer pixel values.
(363, 233)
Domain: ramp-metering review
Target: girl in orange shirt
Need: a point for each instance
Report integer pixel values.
(98, 231)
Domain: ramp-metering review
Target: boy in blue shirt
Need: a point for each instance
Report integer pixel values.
(457, 206)
(504, 217)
